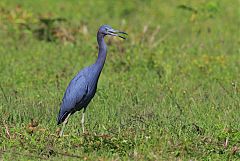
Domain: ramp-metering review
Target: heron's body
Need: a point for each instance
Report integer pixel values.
(79, 92)
(83, 86)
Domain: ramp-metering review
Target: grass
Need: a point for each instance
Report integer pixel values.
(170, 92)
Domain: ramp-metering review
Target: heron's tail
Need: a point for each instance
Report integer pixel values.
(62, 116)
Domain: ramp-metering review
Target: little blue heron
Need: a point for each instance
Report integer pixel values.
(83, 86)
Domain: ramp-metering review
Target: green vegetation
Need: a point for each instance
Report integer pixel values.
(171, 91)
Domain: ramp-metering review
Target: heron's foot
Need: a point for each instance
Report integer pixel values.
(64, 124)
(83, 131)
(62, 136)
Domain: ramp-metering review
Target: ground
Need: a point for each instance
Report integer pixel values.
(169, 92)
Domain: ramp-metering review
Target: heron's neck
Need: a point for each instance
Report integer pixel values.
(102, 51)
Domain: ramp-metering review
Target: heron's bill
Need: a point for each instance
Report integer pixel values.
(117, 33)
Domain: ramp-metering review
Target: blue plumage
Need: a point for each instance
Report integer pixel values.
(73, 98)
(83, 86)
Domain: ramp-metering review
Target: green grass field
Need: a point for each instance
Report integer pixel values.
(170, 92)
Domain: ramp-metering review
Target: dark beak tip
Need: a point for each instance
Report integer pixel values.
(123, 33)
(122, 37)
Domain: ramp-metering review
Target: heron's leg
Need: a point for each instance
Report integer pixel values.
(83, 119)
(64, 124)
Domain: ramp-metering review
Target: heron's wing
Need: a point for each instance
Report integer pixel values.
(74, 94)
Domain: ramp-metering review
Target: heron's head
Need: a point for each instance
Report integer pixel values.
(108, 30)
